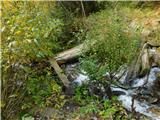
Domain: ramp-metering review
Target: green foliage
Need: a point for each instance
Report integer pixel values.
(38, 87)
(112, 42)
(109, 110)
(91, 107)
(94, 70)
(113, 109)
(29, 29)
(82, 95)
(105, 109)
(30, 33)
(57, 99)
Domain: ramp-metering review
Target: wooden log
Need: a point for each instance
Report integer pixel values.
(70, 54)
(64, 57)
(73, 53)
(59, 72)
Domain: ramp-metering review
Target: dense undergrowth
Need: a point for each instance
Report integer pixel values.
(34, 31)
(29, 35)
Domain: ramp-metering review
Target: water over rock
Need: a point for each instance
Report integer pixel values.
(145, 92)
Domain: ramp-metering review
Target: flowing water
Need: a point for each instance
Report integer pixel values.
(126, 96)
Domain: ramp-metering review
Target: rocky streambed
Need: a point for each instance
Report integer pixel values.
(138, 94)
(142, 96)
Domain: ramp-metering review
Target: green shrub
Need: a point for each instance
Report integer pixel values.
(112, 41)
(93, 69)
(104, 109)
(30, 34)
(29, 31)
(82, 96)
(112, 109)
(39, 86)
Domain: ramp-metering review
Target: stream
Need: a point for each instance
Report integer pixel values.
(143, 106)
(142, 96)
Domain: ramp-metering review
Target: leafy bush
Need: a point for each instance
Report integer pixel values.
(112, 41)
(93, 69)
(30, 33)
(29, 28)
(82, 96)
(91, 107)
(39, 86)
(113, 109)
(103, 109)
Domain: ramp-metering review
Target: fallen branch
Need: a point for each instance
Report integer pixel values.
(59, 72)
